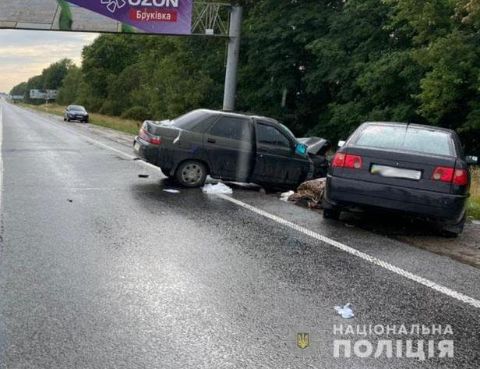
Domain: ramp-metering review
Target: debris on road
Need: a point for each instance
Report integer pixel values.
(69, 200)
(286, 195)
(309, 194)
(217, 189)
(143, 176)
(346, 311)
(171, 191)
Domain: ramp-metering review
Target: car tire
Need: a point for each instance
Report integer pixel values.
(64, 119)
(85, 121)
(332, 213)
(191, 174)
(453, 231)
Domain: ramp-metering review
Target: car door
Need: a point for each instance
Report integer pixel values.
(276, 162)
(230, 148)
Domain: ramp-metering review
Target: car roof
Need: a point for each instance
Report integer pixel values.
(414, 125)
(239, 115)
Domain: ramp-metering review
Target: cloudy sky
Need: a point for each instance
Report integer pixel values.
(24, 54)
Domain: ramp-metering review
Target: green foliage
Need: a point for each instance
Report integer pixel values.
(139, 113)
(321, 66)
(70, 90)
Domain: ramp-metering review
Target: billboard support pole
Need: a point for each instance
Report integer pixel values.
(233, 58)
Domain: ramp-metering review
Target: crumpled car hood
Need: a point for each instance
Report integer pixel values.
(316, 145)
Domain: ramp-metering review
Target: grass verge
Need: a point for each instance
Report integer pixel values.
(474, 203)
(119, 124)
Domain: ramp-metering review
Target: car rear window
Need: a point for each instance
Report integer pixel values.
(190, 120)
(406, 139)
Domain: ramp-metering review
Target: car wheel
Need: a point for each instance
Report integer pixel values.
(191, 174)
(85, 121)
(453, 231)
(64, 119)
(333, 213)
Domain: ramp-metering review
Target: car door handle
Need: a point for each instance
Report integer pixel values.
(211, 140)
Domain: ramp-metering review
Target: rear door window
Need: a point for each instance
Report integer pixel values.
(405, 138)
(232, 128)
(269, 135)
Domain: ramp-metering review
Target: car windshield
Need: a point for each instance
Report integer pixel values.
(406, 138)
(77, 108)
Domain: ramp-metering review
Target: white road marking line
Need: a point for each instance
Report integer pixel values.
(350, 250)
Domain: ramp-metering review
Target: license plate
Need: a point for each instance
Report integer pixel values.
(136, 146)
(391, 172)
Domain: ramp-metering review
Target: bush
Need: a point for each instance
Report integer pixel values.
(137, 113)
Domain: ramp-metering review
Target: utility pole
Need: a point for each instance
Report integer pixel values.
(231, 75)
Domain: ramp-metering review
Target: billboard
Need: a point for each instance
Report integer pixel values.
(43, 94)
(173, 17)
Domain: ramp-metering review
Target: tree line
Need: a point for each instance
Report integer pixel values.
(320, 66)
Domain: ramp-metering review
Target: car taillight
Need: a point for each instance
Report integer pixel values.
(459, 177)
(341, 160)
(443, 174)
(338, 160)
(154, 140)
(353, 161)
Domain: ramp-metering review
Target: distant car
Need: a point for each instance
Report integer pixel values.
(414, 169)
(229, 146)
(76, 112)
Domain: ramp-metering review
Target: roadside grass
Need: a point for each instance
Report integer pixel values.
(474, 203)
(119, 124)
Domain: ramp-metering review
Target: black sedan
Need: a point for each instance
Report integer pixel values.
(414, 169)
(76, 112)
(232, 147)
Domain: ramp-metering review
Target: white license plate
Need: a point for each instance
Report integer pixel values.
(391, 172)
(136, 146)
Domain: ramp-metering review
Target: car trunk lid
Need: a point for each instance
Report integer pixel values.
(402, 169)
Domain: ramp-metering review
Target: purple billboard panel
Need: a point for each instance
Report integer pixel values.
(173, 17)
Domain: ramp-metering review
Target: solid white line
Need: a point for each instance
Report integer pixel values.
(350, 250)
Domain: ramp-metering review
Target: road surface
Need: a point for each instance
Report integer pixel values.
(102, 269)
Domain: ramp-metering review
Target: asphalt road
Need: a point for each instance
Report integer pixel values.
(102, 269)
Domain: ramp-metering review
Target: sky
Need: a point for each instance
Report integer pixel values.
(24, 54)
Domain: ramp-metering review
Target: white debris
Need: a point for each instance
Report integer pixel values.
(171, 191)
(217, 189)
(346, 311)
(286, 195)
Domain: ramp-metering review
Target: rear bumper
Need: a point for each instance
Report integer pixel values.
(348, 193)
(145, 151)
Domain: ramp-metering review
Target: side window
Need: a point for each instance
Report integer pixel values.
(269, 135)
(203, 126)
(232, 128)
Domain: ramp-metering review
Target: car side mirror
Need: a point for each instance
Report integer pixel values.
(471, 160)
(341, 143)
(301, 149)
